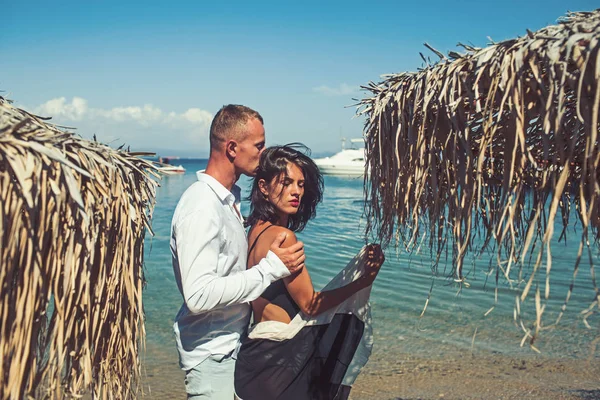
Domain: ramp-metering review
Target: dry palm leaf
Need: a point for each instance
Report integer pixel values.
(484, 149)
(72, 221)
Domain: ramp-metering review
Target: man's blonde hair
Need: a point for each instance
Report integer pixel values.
(229, 123)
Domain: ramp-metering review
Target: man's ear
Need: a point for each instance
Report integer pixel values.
(231, 148)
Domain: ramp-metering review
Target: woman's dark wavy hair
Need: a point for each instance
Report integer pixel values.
(273, 163)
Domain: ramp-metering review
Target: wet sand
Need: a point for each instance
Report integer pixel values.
(397, 376)
(479, 377)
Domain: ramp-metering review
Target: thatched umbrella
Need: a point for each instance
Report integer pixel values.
(481, 150)
(72, 219)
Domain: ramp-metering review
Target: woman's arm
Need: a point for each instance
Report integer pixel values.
(313, 303)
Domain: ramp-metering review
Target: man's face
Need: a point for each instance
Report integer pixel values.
(250, 148)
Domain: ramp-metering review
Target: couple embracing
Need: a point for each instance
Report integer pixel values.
(302, 344)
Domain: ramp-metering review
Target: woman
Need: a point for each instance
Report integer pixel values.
(303, 340)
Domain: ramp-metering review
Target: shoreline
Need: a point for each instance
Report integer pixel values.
(484, 376)
(395, 376)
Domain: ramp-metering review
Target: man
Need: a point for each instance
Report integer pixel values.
(209, 252)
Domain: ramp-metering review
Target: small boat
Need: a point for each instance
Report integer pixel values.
(172, 169)
(168, 169)
(348, 162)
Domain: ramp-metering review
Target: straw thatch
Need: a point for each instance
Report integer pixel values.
(72, 219)
(491, 150)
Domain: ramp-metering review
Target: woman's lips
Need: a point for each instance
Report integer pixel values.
(295, 203)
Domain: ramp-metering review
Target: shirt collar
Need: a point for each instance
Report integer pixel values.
(220, 190)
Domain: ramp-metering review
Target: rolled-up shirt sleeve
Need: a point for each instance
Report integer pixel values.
(198, 246)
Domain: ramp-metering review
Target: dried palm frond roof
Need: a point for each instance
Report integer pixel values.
(493, 142)
(72, 219)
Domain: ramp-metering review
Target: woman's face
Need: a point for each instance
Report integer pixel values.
(285, 192)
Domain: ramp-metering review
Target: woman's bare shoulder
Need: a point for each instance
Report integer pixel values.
(272, 232)
(290, 236)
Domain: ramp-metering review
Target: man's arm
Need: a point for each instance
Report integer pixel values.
(198, 244)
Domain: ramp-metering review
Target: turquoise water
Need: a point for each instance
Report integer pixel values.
(452, 318)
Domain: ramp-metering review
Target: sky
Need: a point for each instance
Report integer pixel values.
(151, 75)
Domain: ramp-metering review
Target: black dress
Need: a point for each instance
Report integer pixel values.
(310, 365)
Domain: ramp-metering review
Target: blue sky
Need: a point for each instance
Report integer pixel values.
(152, 74)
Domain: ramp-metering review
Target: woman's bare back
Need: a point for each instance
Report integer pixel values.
(263, 309)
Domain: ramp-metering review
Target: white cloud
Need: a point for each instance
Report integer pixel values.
(196, 115)
(78, 110)
(144, 115)
(59, 107)
(145, 125)
(342, 90)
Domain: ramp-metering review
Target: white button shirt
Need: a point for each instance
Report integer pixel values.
(209, 252)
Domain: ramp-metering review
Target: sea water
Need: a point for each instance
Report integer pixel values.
(456, 319)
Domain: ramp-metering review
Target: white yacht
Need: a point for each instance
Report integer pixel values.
(348, 162)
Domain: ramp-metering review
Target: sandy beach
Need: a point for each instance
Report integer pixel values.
(392, 376)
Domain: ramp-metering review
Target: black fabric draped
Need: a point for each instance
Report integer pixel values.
(311, 365)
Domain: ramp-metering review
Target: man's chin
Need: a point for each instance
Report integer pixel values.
(253, 173)
(247, 171)
(250, 174)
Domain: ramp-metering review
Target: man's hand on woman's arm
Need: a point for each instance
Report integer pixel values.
(293, 256)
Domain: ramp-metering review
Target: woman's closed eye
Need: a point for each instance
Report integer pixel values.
(287, 182)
